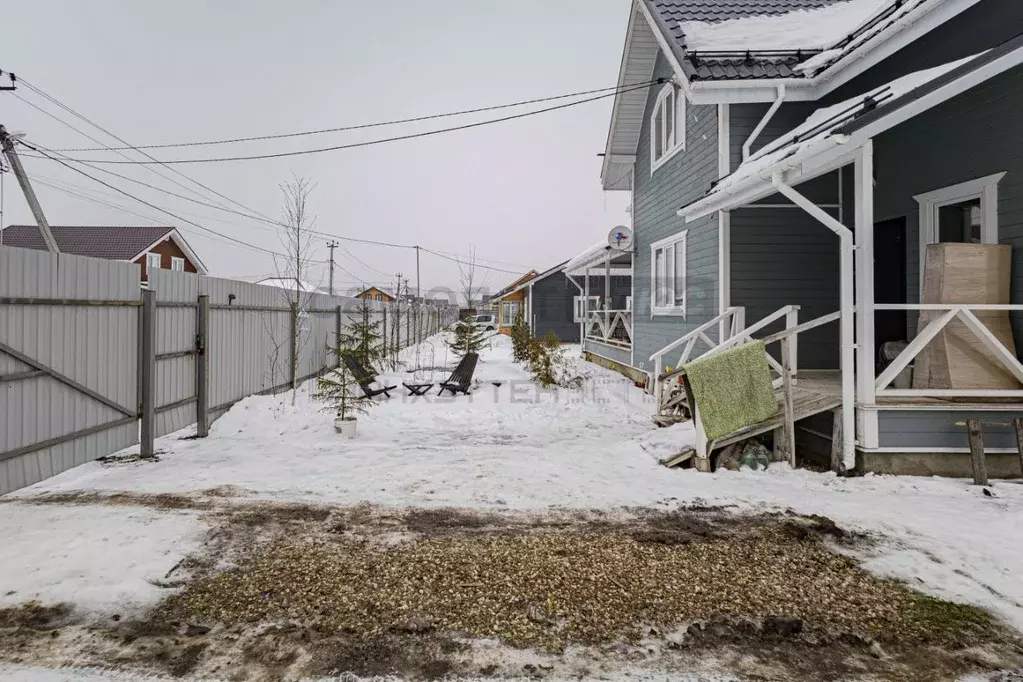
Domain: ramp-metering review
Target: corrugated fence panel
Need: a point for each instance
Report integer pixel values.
(94, 346)
(249, 346)
(177, 296)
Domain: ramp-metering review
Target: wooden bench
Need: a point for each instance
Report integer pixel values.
(461, 378)
(364, 377)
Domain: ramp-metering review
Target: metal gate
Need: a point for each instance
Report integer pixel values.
(68, 365)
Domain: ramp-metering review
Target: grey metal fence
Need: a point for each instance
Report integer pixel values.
(90, 363)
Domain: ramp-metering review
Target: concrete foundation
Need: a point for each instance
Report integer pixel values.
(638, 376)
(936, 464)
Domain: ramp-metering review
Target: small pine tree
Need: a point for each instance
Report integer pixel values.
(362, 338)
(521, 335)
(468, 338)
(339, 390)
(546, 359)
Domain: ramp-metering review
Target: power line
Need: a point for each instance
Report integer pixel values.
(41, 93)
(153, 206)
(369, 143)
(276, 224)
(456, 260)
(99, 142)
(363, 126)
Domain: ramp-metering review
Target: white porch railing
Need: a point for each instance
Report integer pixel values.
(611, 327)
(733, 321)
(966, 314)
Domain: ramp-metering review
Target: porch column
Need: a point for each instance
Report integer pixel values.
(864, 173)
(586, 303)
(607, 293)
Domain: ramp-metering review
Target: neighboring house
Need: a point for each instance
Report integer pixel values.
(375, 294)
(150, 247)
(770, 145)
(603, 306)
(510, 302)
(549, 301)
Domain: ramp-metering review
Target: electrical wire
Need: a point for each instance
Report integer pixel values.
(364, 126)
(153, 206)
(369, 143)
(82, 117)
(470, 264)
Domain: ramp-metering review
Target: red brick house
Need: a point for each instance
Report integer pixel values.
(160, 247)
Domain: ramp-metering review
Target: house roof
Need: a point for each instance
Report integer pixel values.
(111, 243)
(670, 15)
(830, 137)
(525, 278)
(380, 289)
(288, 283)
(533, 280)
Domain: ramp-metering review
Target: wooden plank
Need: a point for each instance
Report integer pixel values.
(787, 408)
(976, 437)
(1017, 425)
(836, 442)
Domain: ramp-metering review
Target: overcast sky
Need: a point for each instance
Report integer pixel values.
(523, 192)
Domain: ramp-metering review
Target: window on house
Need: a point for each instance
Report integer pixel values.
(580, 314)
(668, 276)
(153, 261)
(509, 311)
(667, 126)
(966, 213)
(177, 264)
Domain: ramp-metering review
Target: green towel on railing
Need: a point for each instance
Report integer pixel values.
(732, 389)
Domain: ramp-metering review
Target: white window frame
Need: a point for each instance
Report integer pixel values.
(177, 264)
(150, 258)
(678, 242)
(985, 189)
(502, 321)
(579, 315)
(676, 141)
(628, 303)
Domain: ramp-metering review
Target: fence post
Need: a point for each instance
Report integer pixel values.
(337, 337)
(294, 346)
(202, 367)
(383, 337)
(147, 374)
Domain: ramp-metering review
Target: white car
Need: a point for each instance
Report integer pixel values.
(486, 321)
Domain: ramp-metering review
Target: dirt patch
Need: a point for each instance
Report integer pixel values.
(286, 591)
(154, 500)
(35, 616)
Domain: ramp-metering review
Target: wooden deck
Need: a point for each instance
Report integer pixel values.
(814, 392)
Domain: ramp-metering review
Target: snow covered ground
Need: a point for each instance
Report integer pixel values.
(511, 446)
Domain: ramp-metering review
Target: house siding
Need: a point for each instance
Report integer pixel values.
(972, 135)
(656, 200)
(553, 299)
(784, 256)
(167, 249)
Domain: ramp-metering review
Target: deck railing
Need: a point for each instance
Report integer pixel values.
(611, 327)
(965, 313)
(736, 334)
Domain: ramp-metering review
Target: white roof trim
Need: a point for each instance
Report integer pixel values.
(176, 237)
(829, 151)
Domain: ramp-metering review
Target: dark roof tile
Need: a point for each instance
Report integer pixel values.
(111, 243)
(671, 13)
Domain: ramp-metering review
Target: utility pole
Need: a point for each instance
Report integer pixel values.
(331, 245)
(419, 292)
(7, 142)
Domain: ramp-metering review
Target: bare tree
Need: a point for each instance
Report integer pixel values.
(294, 266)
(471, 283)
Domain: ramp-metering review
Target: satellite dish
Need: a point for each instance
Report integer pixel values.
(620, 238)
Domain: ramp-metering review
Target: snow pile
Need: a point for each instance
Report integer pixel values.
(801, 29)
(100, 558)
(511, 446)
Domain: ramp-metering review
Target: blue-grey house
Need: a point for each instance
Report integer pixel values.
(789, 163)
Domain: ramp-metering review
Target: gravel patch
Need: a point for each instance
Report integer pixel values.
(549, 590)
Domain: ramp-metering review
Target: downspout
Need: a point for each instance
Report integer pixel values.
(847, 315)
(748, 144)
